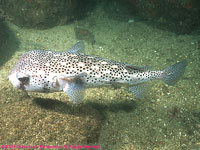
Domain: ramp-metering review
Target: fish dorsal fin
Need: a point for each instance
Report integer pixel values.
(138, 68)
(73, 86)
(77, 48)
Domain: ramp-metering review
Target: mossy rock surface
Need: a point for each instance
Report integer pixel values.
(41, 13)
(48, 122)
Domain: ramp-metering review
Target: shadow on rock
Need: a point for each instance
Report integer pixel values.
(51, 104)
(46, 122)
(8, 42)
(127, 106)
(66, 108)
(85, 109)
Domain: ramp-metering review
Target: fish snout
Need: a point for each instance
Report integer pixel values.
(14, 80)
(19, 80)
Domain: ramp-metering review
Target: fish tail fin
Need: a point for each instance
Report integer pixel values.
(172, 74)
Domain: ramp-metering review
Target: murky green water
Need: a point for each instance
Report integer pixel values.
(167, 118)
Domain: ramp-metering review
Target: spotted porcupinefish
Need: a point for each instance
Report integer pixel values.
(73, 71)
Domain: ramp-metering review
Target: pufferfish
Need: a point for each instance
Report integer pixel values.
(73, 72)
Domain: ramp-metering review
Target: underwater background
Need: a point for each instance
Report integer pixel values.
(155, 33)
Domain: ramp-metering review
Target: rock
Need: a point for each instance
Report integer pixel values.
(3, 32)
(48, 122)
(41, 13)
(178, 16)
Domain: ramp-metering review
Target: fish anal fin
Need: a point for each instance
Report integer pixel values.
(139, 90)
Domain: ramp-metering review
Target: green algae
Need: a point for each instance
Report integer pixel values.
(165, 119)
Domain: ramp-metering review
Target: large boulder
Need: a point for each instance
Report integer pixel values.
(48, 122)
(41, 13)
(3, 32)
(175, 15)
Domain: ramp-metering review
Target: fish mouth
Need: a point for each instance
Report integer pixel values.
(15, 82)
(21, 86)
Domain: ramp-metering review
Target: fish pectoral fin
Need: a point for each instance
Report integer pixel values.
(139, 90)
(73, 86)
(75, 91)
(77, 48)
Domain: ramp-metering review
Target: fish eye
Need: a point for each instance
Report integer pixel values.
(24, 79)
